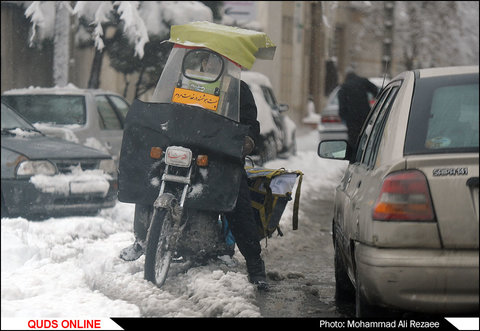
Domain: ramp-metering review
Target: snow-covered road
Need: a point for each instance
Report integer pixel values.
(69, 267)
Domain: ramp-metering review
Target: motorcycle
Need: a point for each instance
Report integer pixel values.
(183, 151)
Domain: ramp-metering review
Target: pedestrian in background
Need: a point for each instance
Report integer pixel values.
(353, 103)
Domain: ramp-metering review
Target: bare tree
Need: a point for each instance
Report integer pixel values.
(425, 33)
(437, 33)
(61, 42)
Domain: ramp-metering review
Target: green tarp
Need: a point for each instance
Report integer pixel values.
(239, 45)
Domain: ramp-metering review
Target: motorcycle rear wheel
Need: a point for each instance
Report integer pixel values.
(159, 250)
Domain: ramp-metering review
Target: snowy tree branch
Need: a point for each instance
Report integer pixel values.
(34, 12)
(134, 26)
(102, 12)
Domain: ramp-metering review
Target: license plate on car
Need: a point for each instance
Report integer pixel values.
(178, 156)
(89, 187)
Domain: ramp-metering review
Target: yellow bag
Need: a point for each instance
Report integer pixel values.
(270, 191)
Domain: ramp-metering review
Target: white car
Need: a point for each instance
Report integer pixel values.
(90, 117)
(277, 130)
(331, 126)
(405, 222)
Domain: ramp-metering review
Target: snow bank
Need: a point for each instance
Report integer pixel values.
(69, 267)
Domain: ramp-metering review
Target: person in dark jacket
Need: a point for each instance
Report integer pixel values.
(353, 103)
(241, 220)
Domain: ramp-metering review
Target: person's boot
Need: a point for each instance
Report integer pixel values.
(256, 273)
(134, 251)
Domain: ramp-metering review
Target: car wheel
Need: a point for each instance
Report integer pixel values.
(362, 307)
(293, 147)
(343, 286)
(4, 212)
(269, 150)
(272, 150)
(365, 309)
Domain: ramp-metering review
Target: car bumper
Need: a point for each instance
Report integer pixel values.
(22, 198)
(422, 280)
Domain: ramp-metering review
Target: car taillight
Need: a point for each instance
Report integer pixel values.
(331, 119)
(404, 197)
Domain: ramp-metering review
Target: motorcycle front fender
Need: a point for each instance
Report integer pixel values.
(169, 202)
(166, 201)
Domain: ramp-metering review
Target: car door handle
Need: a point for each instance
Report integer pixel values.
(472, 182)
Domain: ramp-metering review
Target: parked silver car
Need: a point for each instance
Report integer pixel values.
(91, 117)
(46, 176)
(331, 125)
(406, 216)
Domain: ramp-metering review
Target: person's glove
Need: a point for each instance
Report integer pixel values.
(248, 146)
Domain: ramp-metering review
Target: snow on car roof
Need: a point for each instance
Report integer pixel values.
(446, 71)
(264, 115)
(251, 77)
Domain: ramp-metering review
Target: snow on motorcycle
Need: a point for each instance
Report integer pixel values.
(181, 152)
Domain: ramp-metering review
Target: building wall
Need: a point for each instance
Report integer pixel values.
(307, 34)
(287, 59)
(287, 23)
(357, 43)
(268, 14)
(22, 66)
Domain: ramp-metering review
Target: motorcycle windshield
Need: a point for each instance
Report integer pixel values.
(199, 77)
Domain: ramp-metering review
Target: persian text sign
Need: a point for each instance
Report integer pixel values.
(189, 97)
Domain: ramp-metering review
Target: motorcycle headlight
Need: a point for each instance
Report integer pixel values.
(108, 166)
(32, 168)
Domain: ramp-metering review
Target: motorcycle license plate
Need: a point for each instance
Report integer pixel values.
(178, 156)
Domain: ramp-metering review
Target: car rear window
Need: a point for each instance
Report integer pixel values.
(444, 116)
(57, 109)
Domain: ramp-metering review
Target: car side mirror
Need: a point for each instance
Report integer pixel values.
(334, 149)
(282, 107)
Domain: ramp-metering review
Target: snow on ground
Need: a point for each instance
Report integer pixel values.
(69, 267)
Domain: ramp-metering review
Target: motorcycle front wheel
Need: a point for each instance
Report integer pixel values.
(159, 248)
